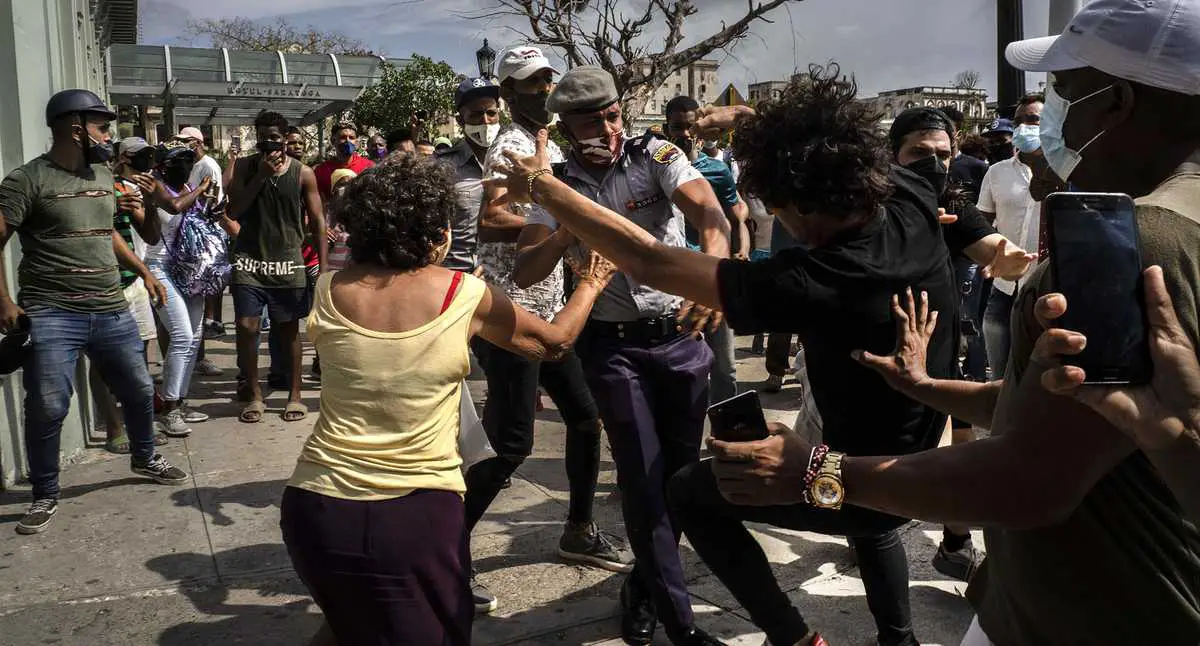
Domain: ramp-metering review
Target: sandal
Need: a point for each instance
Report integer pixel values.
(120, 445)
(294, 412)
(253, 412)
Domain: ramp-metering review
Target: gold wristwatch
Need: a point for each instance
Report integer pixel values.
(826, 491)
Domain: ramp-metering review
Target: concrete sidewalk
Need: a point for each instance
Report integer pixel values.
(131, 562)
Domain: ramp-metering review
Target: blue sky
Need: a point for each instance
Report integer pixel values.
(886, 44)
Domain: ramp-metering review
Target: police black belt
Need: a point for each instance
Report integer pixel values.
(656, 328)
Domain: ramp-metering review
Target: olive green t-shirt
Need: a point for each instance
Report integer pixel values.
(267, 252)
(1124, 568)
(65, 224)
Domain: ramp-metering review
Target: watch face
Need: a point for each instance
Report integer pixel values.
(827, 491)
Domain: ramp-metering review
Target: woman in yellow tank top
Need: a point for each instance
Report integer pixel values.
(373, 514)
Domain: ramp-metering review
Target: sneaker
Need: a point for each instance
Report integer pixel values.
(174, 425)
(213, 330)
(507, 483)
(587, 544)
(40, 513)
(485, 601)
(206, 368)
(160, 471)
(773, 384)
(193, 416)
(959, 564)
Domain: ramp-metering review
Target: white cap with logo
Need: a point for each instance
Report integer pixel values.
(523, 61)
(1152, 42)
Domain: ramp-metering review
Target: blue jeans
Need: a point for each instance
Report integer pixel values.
(723, 377)
(996, 333)
(183, 318)
(58, 338)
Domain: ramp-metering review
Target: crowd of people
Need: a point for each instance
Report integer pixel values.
(613, 275)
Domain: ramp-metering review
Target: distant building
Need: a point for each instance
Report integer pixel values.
(766, 90)
(698, 80)
(972, 102)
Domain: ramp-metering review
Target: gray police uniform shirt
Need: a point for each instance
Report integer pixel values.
(639, 186)
(498, 259)
(468, 194)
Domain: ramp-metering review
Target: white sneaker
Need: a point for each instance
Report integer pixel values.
(206, 368)
(174, 425)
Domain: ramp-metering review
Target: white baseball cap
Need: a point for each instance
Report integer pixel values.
(523, 61)
(1152, 42)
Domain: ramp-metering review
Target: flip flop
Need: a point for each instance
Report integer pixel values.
(120, 445)
(294, 412)
(253, 412)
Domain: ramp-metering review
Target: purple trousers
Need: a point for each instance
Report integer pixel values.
(384, 572)
(652, 398)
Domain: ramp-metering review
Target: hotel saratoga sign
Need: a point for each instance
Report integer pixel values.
(269, 90)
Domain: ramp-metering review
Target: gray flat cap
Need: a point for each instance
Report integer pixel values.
(586, 88)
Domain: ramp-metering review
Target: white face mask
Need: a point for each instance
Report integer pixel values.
(1062, 160)
(483, 134)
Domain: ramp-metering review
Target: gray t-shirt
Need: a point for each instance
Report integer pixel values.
(639, 186)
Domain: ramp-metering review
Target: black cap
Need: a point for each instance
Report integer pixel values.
(915, 119)
(73, 101)
(471, 88)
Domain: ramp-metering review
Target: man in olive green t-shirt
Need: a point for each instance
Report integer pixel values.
(61, 205)
(1089, 535)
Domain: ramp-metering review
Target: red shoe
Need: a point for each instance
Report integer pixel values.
(158, 402)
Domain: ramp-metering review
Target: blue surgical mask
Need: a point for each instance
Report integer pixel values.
(347, 148)
(1062, 159)
(1026, 138)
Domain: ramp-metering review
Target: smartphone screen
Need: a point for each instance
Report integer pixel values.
(1097, 265)
(738, 419)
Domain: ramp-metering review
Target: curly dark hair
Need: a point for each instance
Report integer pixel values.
(397, 212)
(815, 147)
(266, 119)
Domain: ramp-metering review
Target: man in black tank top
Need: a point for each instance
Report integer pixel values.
(266, 197)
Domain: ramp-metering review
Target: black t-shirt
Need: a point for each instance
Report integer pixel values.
(838, 299)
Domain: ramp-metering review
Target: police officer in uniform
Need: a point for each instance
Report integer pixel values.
(647, 370)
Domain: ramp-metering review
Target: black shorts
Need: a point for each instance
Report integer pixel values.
(284, 304)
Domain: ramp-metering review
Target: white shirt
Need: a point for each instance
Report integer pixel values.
(207, 167)
(544, 298)
(1005, 192)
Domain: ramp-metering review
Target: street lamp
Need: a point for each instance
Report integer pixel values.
(486, 57)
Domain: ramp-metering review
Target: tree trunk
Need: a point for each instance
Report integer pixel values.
(635, 102)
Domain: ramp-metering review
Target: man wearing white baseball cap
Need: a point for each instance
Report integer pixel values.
(1091, 517)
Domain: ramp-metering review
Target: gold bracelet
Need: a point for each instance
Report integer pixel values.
(533, 176)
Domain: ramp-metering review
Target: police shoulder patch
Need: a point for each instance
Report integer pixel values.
(667, 153)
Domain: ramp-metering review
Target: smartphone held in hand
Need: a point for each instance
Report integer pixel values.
(738, 419)
(1096, 262)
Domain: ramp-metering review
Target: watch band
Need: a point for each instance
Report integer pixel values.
(815, 458)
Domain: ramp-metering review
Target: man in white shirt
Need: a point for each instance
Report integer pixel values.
(1005, 200)
(205, 166)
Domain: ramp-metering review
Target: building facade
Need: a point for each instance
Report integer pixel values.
(971, 101)
(47, 46)
(765, 90)
(698, 80)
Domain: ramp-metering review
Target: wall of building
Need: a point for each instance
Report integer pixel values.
(698, 80)
(45, 46)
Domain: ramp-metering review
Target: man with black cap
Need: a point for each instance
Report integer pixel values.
(509, 414)
(61, 205)
(649, 374)
(923, 141)
(477, 105)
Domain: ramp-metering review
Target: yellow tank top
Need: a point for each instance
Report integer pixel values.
(389, 402)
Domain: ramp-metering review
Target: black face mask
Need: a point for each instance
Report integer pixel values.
(176, 176)
(1000, 152)
(532, 107)
(143, 161)
(686, 145)
(270, 146)
(933, 171)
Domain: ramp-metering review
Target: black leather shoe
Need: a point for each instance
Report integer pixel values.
(698, 637)
(638, 621)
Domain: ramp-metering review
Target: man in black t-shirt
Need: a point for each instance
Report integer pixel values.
(871, 229)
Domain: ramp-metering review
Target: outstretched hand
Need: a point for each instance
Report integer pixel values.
(904, 368)
(1154, 415)
(518, 170)
(597, 270)
(1010, 262)
(712, 121)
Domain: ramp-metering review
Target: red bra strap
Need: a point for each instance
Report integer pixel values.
(454, 282)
